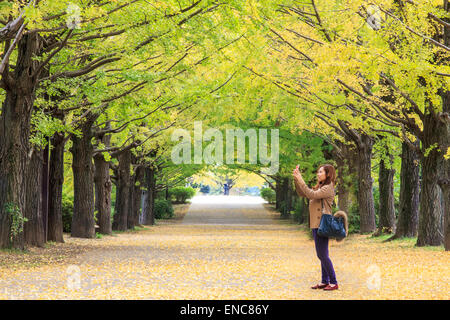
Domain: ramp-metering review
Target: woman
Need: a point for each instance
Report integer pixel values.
(321, 195)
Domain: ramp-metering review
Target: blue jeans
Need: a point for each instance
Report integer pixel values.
(328, 275)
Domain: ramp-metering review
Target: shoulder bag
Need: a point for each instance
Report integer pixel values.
(331, 226)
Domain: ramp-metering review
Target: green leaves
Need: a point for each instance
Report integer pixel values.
(43, 127)
(430, 148)
(17, 219)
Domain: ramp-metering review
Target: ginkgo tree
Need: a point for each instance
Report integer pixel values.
(88, 58)
(110, 80)
(365, 79)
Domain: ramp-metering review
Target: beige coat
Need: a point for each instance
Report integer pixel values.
(326, 193)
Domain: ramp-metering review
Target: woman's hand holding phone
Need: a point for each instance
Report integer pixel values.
(296, 172)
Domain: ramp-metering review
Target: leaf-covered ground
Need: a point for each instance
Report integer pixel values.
(176, 260)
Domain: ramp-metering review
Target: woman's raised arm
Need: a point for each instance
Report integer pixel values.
(324, 192)
(298, 189)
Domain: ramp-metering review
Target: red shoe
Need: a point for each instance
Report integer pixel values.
(328, 287)
(319, 286)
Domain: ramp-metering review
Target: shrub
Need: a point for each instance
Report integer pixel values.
(163, 209)
(67, 212)
(181, 194)
(299, 210)
(268, 194)
(161, 194)
(282, 207)
(353, 219)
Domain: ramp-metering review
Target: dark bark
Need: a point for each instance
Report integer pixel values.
(287, 198)
(44, 188)
(14, 136)
(56, 180)
(304, 213)
(365, 193)
(135, 197)
(83, 224)
(278, 193)
(436, 130)
(343, 197)
(117, 202)
(366, 206)
(103, 185)
(444, 142)
(142, 217)
(444, 183)
(386, 214)
(130, 218)
(408, 213)
(34, 234)
(431, 224)
(342, 190)
(346, 174)
(123, 191)
(149, 215)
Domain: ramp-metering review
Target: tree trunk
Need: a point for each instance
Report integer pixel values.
(103, 185)
(130, 218)
(34, 234)
(278, 193)
(83, 224)
(444, 182)
(56, 180)
(386, 212)
(364, 145)
(135, 198)
(408, 213)
(143, 205)
(446, 195)
(431, 224)
(14, 138)
(304, 211)
(123, 192)
(149, 214)
(343, 197)
(286, 207)
(346, 174)
(44, 187)
(365, 192)
(117, 202)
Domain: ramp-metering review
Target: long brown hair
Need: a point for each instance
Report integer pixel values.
(330, 176)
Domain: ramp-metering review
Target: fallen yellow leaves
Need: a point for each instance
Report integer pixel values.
(176, 261)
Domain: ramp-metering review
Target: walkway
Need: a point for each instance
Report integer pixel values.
(227, 248)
